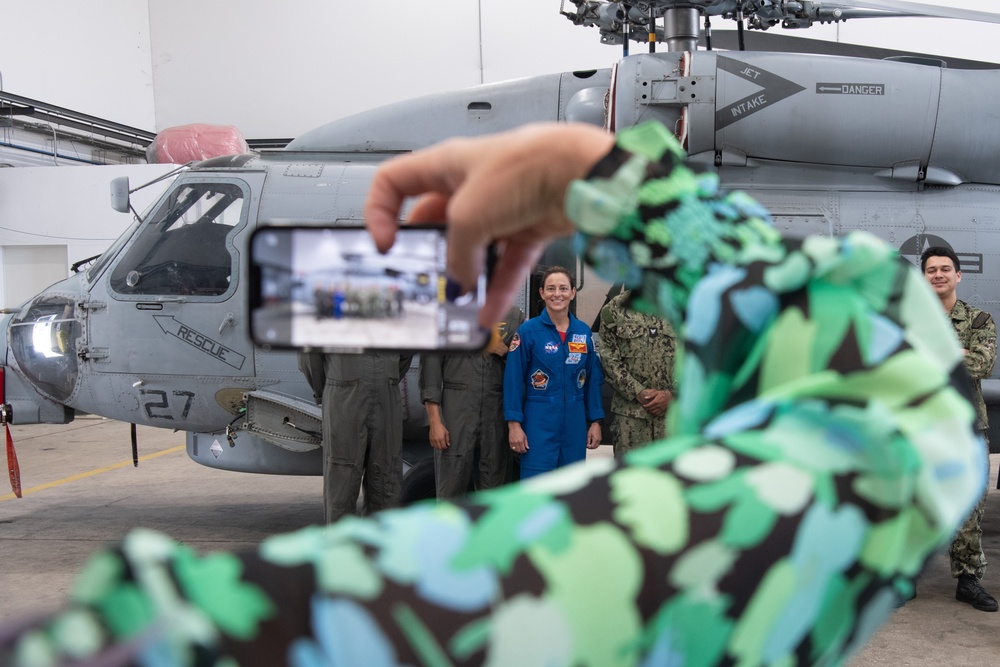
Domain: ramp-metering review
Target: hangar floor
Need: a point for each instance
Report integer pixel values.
(81, 491)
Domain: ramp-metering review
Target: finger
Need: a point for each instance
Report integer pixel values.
(382, 211)
(431, 207)
(429, 170)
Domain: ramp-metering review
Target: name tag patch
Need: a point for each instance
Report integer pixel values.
(578, 348)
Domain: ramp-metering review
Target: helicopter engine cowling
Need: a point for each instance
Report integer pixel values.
(905, 122)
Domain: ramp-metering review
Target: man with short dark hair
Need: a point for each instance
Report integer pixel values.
(978, 335)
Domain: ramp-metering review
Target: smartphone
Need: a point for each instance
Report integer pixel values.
(329, 289)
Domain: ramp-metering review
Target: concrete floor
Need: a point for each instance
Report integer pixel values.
(81, 492)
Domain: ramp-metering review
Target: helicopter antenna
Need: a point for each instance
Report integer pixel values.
(625, 37)
(708, 33)
(652, 29)
(739, 25)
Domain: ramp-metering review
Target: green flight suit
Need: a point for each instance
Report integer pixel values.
(362, 428)
(469, 389)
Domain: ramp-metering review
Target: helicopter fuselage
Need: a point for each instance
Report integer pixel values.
(155, 331)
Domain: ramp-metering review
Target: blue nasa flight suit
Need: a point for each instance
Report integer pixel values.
(553, 388)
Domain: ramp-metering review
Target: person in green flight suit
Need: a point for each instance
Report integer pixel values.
(463, 396)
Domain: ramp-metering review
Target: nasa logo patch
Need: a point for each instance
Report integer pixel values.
(551, 347)
(539, 380)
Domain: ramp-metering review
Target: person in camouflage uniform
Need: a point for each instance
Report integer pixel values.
(637, 355)
(821, 451)
(977, 335)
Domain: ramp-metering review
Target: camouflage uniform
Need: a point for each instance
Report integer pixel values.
(822, 451)
(637, 352)
(977, 333)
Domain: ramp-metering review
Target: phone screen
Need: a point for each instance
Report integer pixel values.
(328, 288)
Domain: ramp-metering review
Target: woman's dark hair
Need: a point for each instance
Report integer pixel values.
(553, 270)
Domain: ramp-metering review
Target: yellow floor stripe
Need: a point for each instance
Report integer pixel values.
(91, 473)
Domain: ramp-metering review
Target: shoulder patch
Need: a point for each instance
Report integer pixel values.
(515, 342)
(981, 319)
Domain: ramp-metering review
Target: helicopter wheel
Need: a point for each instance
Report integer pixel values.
(418, 483)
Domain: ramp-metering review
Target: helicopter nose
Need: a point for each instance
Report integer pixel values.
(42, 340)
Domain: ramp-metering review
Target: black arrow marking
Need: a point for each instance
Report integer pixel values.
(200, 341)
(773, 89)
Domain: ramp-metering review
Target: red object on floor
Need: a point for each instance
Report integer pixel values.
(13, 469)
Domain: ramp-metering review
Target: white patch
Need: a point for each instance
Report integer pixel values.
(705, 464)
(783, 487)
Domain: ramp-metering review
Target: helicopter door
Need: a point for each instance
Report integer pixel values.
(173, 305)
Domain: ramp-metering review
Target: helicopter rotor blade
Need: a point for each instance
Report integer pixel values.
(784, 43)
(906, 8)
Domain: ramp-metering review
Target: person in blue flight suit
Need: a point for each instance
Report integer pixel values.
(552, 383)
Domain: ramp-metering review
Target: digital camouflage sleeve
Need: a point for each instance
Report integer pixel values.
(822, 448)
(637, 352)
(977, 334)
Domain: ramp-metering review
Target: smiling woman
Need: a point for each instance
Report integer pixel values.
(552, 383)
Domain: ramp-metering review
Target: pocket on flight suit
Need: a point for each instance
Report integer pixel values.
(347, 411)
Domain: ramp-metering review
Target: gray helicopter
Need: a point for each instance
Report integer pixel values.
(154, 331)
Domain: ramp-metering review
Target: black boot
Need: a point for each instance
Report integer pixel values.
(970, 590)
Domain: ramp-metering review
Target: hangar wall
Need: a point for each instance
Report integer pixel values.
(93, 57)
(280, 69)
(53, 218)
(277, 69)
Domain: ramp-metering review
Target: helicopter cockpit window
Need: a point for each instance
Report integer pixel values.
(182, 251)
